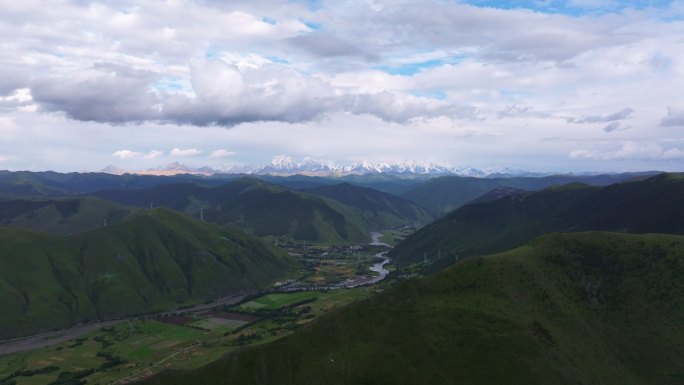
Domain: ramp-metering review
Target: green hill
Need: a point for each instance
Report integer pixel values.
(584, 308)
(255, 206)
(380, 210)
(447, 193)
(155, 261)
(653, 205)
(63, 215)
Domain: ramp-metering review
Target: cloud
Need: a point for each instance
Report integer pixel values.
(460, 82)
(674, 117)
(105, 92)
(153, 154)
(624, 113)
(400, 108)
(185, 152)
(125, 154)
(633, 151)
(327, 45)
(221, 154)
(616, 126)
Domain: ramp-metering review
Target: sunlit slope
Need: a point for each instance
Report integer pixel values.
(155, 261)
(584, 308)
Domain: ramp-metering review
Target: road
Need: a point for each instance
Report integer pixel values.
(53, 338)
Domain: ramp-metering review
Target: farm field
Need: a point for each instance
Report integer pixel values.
(136, 349)
(278, 300)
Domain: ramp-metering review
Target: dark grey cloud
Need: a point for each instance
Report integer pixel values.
(674, 117)
(105, 93)
(624, 113)
(616, 126)
(324, 44)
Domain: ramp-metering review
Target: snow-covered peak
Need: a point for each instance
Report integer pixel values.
(111, 169)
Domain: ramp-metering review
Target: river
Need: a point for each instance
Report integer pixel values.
(376, 240)
(55, 337)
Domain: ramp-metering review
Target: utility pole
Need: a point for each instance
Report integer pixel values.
(105, 223)
(424, 257)
(151, 205)
(201, 214)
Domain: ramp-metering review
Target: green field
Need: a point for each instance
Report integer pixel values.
(277, 301)
(149, 346)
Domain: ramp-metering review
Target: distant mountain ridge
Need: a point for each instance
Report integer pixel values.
(443, 194)
(285, 165)
(653, 205)
(254, 206)
(379, 209)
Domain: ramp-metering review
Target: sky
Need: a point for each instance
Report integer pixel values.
(540, 85)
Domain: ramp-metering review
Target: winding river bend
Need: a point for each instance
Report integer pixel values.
(55, 337)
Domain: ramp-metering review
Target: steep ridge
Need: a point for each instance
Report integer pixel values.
(158, 260)
(582, 308)
(255, 206)
(380, 209)
(653, 205)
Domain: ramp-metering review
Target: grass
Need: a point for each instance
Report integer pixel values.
(156, 261)
(277, 301)
(144, 343)
(584, 308)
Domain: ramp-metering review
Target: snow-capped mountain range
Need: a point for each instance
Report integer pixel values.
(285, 165)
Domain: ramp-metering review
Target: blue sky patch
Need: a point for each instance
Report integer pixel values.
(414, 68)
(439, 95)
(571, 8)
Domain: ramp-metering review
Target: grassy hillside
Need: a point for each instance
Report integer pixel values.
(585, 308)
(447, 193)
(255, 206)
(380, 210)
(64, 215)
(158, 260)
(653, 205)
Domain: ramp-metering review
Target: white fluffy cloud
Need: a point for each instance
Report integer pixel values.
(221, 153)
(185, 152)
(124, 154)
(469, 82)
(153, 154)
